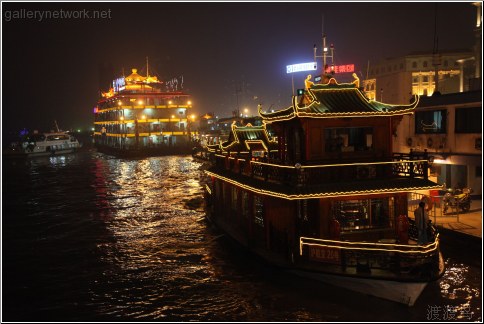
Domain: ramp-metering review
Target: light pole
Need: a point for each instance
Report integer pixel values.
(171, 126)
(180, 112)
(123, 132)
(192, 117)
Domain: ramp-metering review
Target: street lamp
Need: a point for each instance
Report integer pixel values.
(246, 111)
(192, 117)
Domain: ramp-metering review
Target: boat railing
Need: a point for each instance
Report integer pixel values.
(328, 173)
(364, 256)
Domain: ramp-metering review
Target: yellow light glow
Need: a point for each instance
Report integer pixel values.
(121, 118)
(172, 116)
(317, 194)
(143, 117)
(170, 102)
(192, 117)
(369, 246)
(140, 102)
(305, 110)
(119, 103)
(189, 102)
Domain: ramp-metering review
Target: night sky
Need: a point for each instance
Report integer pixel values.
(53, 69)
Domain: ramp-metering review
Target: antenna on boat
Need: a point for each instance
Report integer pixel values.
(325, 51)
(147, 74)
(56, 126)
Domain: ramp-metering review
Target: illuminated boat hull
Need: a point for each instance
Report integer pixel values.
(403, 284)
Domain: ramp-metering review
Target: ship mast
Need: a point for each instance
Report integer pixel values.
(147, 74)
(325, 52)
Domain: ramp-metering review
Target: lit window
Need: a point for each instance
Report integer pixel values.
(363, 214)
(434, 121)
(258, 211)
(349, 139)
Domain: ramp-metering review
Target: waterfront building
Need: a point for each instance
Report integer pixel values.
(449, 127)
(396, 80)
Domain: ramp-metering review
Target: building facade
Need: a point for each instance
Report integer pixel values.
(396, 80)
(449, 127)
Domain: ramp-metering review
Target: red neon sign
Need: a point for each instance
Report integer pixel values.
(340, 68)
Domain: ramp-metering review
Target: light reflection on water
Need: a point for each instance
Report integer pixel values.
(455, 287)
(131, 243)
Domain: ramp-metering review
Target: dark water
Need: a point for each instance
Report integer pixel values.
(87, 237)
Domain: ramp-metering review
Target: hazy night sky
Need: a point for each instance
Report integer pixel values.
(50, 69)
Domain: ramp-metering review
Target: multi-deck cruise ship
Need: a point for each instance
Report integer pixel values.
(142, 116)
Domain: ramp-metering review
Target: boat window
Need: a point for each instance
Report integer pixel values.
(362, 214)
(234, 199)
(258, 211)
(37, 137)
(57, 137)
(245, 204)
(348, 139)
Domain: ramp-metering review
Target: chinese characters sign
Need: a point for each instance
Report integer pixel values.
(341, 68)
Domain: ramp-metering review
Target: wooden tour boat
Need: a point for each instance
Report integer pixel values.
(326, 197)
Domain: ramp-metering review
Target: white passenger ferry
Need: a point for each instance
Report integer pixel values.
(43, 144)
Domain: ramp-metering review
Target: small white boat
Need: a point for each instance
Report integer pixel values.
(43, 144)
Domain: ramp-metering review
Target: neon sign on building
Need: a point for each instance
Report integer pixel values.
(340, 68)
(311, 66)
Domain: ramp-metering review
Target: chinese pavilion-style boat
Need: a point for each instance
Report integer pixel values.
(143, 116)
(325, 197)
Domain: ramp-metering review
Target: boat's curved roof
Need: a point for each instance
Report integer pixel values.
(246, 138)
(332, 100)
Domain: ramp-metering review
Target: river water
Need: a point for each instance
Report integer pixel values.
(88, 237)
